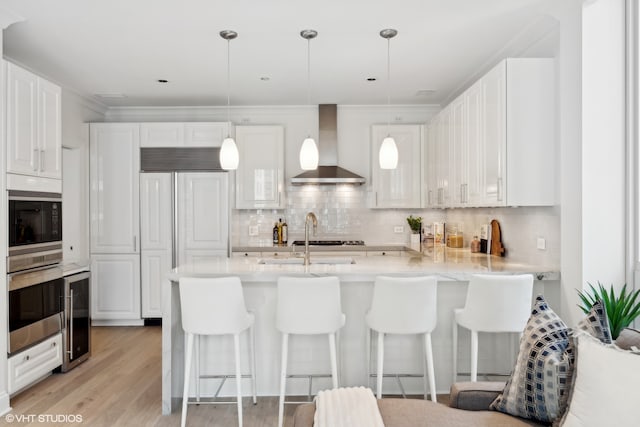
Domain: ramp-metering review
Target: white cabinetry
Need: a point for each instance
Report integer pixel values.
(114, 163)
(499, 136)
(155, 239)
(115, 288)
(399, 187)
(430, 199)
(260, 174)
(34, 132)
(182, 134)
(203, 225)
(34, 363)
(519, 133)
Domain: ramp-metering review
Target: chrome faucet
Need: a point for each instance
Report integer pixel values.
(310, 217)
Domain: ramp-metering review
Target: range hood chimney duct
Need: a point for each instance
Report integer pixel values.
(328, 171)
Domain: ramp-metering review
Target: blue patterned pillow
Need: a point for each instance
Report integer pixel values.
(540, 381)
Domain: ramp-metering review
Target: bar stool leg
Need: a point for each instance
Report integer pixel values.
(380, 360)
(455, 350)
(197, 366)
(334, 364)
(187, 374)
(428, 349)
(368, 351)
(252, 343)
(474, 356)
(236, 350)
(283, 377)
(424, 365)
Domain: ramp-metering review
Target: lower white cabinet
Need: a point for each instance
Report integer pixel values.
(115, 287)
(154, 265)
(30, 365)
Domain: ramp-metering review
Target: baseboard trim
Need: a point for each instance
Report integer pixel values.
(124, 322)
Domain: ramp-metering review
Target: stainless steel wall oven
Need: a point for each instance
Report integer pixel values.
(35, 229)
(36, 306)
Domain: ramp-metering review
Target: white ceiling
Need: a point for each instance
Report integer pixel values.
(124, 46)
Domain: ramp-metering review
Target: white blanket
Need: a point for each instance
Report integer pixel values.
(347, 407)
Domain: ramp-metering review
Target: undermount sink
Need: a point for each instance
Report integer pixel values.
(314, 260)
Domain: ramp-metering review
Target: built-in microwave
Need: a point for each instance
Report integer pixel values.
(35, 229)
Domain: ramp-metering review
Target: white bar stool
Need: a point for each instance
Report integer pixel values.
(214, 307)
(403, 305)
(495, 303)
(308, 306)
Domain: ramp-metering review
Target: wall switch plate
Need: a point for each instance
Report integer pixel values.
(542, 243)
(398, 229)
(253, 230)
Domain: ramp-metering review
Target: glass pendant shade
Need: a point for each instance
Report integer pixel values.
(229, 156)
(309, 154)
(388, 153)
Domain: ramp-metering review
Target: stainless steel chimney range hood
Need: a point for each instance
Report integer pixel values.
(328, 171)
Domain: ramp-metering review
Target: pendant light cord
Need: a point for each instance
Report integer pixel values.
(309, 77)
(389, 86)
(228, 87)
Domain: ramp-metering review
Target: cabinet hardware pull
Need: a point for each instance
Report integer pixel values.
(499, 189)
(429, 197)
(41, 160)
(461, 193)
(27, 357)
(135, 243)
(70, 351)
(36, 162)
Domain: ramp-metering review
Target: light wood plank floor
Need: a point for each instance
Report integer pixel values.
(120, 385)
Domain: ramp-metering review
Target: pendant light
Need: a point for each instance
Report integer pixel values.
(229, 156)
(309, 149)
(388, 155)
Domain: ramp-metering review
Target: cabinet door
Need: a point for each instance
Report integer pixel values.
(114, 161)
(115, 287)
(399, 187)
(161, 134)
(429, 162)
(155, 240)
(442, 159)
(494, 136)
(475, 146)
(205, 134)
(260, 174)
(155, 211)
(458, 153)
(203, 221)
(22, 134)
(49, 129)
(154, 265)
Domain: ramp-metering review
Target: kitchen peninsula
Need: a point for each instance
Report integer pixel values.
(453, 268)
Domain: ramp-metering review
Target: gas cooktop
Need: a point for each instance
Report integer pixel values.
(330, 243)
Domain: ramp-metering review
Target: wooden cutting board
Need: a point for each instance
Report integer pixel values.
(496, 239)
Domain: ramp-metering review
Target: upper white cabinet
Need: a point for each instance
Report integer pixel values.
(260, 174)
(500, 135)
(399, 187)
(114, 164)
(34, 131)
(183, 134)
(430, 180)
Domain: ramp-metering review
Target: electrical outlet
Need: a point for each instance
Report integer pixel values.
(542, 243)
(398, 229)
(253, 230)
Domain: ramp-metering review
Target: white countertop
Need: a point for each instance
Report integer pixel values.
(447, 263)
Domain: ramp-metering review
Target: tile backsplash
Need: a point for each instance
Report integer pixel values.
(344, 214)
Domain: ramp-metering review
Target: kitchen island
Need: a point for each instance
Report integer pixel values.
(309, 354)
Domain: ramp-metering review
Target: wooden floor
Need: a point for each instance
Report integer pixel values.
(120, 385)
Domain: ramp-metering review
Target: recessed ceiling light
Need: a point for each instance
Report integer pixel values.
(163, 81)
(265, 78)
(371, 79)
(425, 92)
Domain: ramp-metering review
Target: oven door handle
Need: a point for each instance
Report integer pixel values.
(70, 351)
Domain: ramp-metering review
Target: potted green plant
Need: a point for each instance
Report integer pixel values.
(415, 224)
(621, 308)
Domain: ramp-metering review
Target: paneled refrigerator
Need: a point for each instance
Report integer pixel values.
(184, 219)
